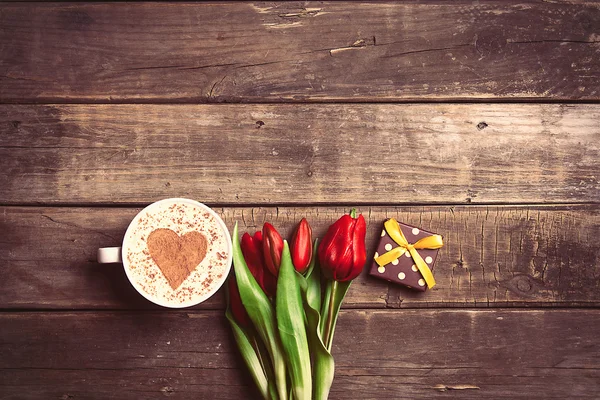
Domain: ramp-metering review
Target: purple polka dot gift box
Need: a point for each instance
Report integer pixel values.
(406, 255)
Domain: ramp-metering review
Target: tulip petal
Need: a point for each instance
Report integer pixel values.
(272, 247)
(301, 246)
(342, 252)
(359, 254)
(328, 249)
(252, 252)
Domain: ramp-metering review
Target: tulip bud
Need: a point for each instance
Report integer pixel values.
(269, 285)
(342, 251)
(253, 256)
(272, 248)
(252, 250)
(301, 246)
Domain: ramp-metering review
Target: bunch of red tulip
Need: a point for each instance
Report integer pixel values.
(284, 300)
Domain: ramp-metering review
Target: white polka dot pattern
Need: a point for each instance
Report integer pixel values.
(403, 271)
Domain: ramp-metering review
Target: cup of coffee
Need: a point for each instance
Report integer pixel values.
(176, 252)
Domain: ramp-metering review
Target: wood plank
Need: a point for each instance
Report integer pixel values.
(310, 154)
(493, 256)
(499, 354)
(299, 51)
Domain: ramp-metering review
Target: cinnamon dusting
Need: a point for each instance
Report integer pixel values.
(176, 256)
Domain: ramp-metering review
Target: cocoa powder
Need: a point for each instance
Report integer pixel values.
(176, 256)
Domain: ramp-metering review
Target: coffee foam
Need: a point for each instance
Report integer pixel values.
(181, 218)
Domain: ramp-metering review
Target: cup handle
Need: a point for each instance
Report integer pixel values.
(109, 255)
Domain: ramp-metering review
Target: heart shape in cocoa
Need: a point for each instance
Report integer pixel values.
(176, 256)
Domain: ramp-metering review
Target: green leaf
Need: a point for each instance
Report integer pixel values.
(313, 281)
(323, 364)
(261, 313)
(292, 330)
(250, 356)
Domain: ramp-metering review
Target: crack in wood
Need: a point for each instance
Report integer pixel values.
(210, 94)
(552, 41)
(78, 227)
(179, 67)
(153, 67)
(425, 50)
(19, 78)
(264, 63)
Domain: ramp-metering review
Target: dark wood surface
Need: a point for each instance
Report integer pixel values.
(265, 154)
(494, 256)
(299, 51)
(463, 354)
(477, 120)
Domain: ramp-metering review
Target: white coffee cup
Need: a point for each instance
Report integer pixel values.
(145, 275)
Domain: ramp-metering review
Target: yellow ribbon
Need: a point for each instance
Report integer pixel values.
(430, 242)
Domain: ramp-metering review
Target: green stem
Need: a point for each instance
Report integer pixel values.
(328, 337)
(353, 213)
(324, 305)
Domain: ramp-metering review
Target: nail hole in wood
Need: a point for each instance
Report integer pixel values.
(481, 126)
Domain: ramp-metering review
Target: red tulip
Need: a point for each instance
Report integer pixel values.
(342, 251)
(301, 246)
(272, 248)
(235, 302)
(252, 250)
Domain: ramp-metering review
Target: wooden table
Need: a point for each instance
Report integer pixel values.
(477, 120)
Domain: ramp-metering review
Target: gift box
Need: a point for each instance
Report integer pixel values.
(406, 255)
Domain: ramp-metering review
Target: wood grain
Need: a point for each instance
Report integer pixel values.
(300, 154)
(493, 256)
(299, 51)
(406, 354)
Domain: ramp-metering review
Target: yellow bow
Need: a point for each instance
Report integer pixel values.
(430, 242)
